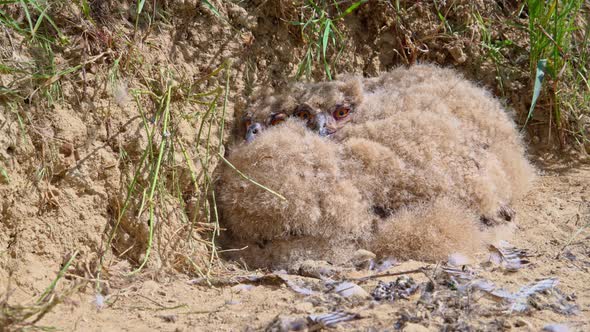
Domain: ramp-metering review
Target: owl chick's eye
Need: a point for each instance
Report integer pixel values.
(341, 112)
(277, 118)
(303, 114)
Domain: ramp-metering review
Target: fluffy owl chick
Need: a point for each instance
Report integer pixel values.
(321, 206)
(410, 163)
(449, 136)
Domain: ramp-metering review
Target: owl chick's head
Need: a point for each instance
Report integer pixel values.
(324, 107)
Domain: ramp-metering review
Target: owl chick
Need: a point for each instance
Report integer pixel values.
(450, 135)
(322, 208)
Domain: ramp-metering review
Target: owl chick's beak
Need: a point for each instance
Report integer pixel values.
(324, 125)
(253, 131)
(320, 124)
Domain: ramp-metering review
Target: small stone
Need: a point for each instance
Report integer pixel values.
(242, 288)
(316, 269)
(304, 307)
(349, 289)
(168, 318)
(457, 54)
(66, 149)
(362, 258)
(522, 323)
(286, 323)
(411, 327)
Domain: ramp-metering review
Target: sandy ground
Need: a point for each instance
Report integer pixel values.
(549, 218)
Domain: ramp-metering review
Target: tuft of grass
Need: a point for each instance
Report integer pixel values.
(493, 48)
(558, 33)
(157, 183)
(318, 22)
(41, 36)
(443, 18)
(27, 317)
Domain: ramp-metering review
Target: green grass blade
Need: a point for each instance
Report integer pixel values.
(28, 16)
(140, 5)
(246, 177)
(326, 36)
(540, 75)
(7, 21)
(223, 111)
(325, 42)
(350, 9)
(4, 174)
(85, 8)
(40, 20)
(314, 6)
(155, 179)
(212, 8)
(57, 278)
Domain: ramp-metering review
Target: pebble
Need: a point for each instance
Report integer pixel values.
(458, 54)
(411, 327)
(242, 288)
(349, 289)
(304, 307)
(522, 323)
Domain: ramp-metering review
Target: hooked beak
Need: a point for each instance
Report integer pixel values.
(322, 125)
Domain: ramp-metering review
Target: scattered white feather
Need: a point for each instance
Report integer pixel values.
(121, 93)
(99, 301)
(509, 257)
(520, 299)
(556, 328)
(333, 318)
